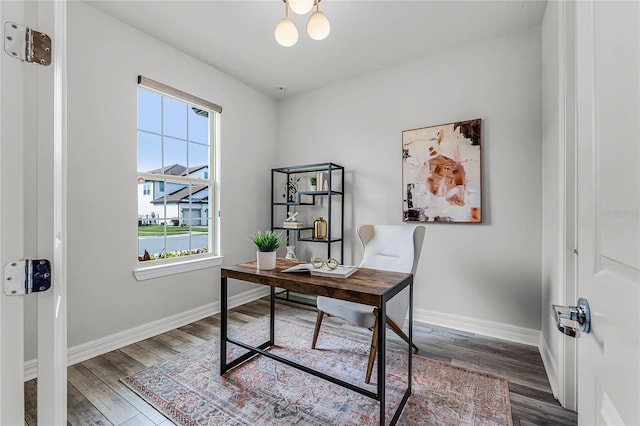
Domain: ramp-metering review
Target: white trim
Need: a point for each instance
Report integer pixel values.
(12, 246)
(550, 366)
(179, 94)
(498, 330)
(115, 341)
(51, 143)
(165, 269)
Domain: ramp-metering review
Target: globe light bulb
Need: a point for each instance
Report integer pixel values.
(286, 33)
(318, 26)
(300, 7)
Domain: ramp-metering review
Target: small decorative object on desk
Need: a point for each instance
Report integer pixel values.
(312, 183)
(291, 254)
(267, 243)
(320, 229)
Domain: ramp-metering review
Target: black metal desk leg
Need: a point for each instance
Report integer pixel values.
(272, 320)
(382, 351)
(223, 325)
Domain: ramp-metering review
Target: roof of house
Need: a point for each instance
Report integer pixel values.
(176, 170)
(182, 195)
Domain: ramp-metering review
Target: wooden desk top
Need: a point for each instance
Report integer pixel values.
(365, 286)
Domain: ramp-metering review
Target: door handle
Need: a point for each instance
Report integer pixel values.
(580, 314)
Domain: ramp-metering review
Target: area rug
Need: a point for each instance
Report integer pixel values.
(189, 390)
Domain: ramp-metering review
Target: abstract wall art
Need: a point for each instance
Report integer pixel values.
(441, 173)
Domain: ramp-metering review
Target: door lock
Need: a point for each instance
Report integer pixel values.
(580, 314)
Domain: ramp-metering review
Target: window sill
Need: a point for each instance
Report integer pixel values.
(157, 271)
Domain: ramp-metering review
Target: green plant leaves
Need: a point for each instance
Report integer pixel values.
(267, 240)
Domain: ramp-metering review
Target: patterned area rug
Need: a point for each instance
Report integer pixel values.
(188, 389)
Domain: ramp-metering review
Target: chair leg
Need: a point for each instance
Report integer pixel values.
(316, 331)
(372, 352)
(392, 325)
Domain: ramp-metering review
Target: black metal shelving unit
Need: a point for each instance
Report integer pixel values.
(334, 216)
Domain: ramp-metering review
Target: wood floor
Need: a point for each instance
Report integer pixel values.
(96, 397)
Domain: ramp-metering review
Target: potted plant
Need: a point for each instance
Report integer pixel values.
(267, 243)
(313, 181)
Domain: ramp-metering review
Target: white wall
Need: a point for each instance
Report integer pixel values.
(487, 272)
(105, 58)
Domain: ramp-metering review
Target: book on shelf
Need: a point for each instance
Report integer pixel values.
(293, 225)
(341, 271)
(322, 181)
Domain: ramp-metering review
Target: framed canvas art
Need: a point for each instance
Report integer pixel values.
(442, 173)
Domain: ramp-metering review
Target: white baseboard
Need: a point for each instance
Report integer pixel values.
(498, 330)
(106, 344)
(550, 366)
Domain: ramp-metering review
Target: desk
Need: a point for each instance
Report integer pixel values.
(369, 286)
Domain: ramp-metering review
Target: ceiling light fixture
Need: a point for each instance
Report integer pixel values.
(318, 26)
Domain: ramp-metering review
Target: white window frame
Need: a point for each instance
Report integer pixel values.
(162, 267)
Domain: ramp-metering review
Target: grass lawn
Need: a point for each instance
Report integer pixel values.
(159, 230)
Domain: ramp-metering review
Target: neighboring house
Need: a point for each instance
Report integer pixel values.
(162, 202)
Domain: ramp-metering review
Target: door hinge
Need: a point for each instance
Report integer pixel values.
(26, 277)
(27, 44)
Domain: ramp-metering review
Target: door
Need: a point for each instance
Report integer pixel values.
(608, 139)
(32, 211)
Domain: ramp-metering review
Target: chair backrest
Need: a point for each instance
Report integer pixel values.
(393, 248)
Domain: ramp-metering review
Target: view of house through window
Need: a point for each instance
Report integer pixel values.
(175, 214)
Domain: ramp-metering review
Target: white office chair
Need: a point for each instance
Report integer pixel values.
(389, 247)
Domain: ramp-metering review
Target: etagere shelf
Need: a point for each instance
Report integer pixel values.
(290, 191)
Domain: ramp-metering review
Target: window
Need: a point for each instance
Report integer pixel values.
(176, 147)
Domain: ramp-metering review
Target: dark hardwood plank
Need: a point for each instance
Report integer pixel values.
(84, 413)
(201, 331)
(30, 402)
(540, 413)
(185, 337)
(142, 355)
(139, 420)
(533, 393)
(110, 374)
(108, 402)
(123, 361)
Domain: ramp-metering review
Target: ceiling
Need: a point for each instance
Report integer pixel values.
(237, 36)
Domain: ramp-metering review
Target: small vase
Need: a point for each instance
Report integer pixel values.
(266, 260)
(312, 188)
(320, 229)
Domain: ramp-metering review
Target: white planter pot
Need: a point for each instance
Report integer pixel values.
(266, 260)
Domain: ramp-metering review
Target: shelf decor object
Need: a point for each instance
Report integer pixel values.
(290, 189)
(441, 173)
(320, 229)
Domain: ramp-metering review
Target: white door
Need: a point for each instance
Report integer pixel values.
(32, 210)
(608, 139)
